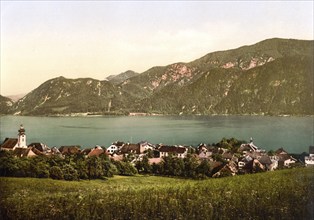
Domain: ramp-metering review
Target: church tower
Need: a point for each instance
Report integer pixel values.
(21, 138)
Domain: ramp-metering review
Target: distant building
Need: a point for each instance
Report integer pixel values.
(179, 151)
(309, 160)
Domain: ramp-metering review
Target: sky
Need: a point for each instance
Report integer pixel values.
(41, 40)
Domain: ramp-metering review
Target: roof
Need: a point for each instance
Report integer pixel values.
(39, 146)
(154, 160)
(130, 148)
(9, 143)
(284, 157)
(265, 160)
(172, 149)
(96, 152)
(281, 151)
(86, 151)
(23, 152)
(118, 143)
(70, 149)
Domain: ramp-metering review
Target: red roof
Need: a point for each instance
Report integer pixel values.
(9, 143)
(96, 152)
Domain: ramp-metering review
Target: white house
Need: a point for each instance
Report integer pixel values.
(309, 160)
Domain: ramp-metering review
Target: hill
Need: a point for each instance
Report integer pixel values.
(273, 77)
(283, 194)
(66, 96)
(117, 79)
(5, 105)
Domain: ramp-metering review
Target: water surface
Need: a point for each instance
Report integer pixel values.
(295, 134)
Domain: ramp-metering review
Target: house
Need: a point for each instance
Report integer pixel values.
(24, 152)
(227, 156)
(69, 150)
(280, 151)
(309, 160)
(154, 160)
(204, 155)
(55, 151)
(202, 148)
(147, 146)
(250, 147)
(97, 151)
(285, 160)
(40, 147)
(9, 144)
(178, 151)
(131, 148)
(12, 143)
(115, 147)
(267, 162)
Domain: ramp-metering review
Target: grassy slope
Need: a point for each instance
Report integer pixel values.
(286, 194)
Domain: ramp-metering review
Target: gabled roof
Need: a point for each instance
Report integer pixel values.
(9, 143)
(265, 160)
(96, 152)
(281, 151)
(172, 149)
(130, 148)
(284, 157)
(86, 151)
(118, 143)
(23, 152)
(39, 146)
(70, 149)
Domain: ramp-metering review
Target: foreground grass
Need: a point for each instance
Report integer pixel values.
(285, 194)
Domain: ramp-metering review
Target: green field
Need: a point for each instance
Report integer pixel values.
(283, 194)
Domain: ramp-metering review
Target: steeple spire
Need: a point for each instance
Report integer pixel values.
(21, 137)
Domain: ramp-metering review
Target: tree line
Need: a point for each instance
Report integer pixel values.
(76, 167)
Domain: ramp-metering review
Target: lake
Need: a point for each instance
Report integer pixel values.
(295, 134)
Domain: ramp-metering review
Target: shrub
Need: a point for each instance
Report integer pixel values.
(56, 173)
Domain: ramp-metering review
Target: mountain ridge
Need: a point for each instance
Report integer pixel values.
(271, 77)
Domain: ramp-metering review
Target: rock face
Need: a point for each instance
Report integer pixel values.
(273, 77)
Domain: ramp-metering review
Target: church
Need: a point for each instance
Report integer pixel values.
(13, 143)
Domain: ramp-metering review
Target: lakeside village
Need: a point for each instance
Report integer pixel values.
(229, 157)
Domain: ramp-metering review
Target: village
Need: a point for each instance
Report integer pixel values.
(229, 157)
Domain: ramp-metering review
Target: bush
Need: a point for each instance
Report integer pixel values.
(70, 173)
(56, 173)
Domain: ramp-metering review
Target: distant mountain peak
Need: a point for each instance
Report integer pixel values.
(117, 79)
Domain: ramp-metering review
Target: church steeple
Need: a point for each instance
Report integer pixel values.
(21, 137)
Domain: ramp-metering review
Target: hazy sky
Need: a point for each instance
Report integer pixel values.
(41, 40)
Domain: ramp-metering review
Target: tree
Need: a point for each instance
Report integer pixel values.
(69, 172)
(143, 165)
(203, 169)
(190, 165)
(94, 167)
(56, 173)
(8, 166)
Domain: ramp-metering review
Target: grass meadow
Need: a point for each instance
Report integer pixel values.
(282, 194)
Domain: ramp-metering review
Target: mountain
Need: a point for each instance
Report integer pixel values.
(65, 96)
(15, 98)
(272, 77)
(5, 105)
(117, 79)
